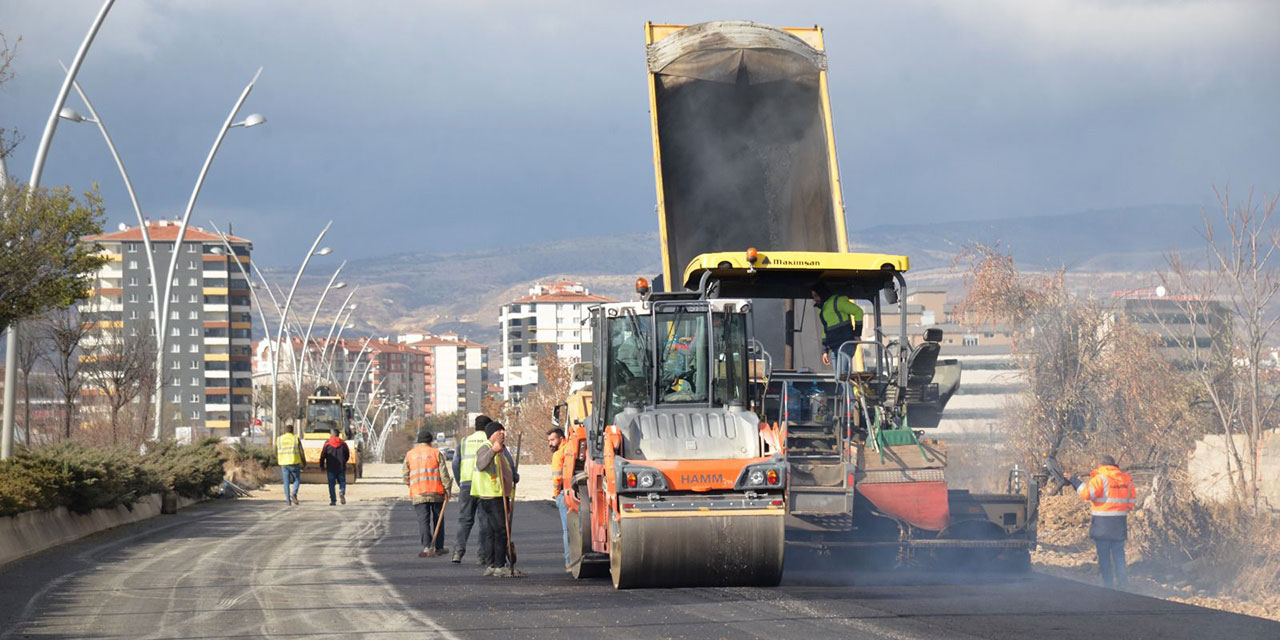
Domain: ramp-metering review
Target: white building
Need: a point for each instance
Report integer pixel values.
(457, 371)
(552, 316)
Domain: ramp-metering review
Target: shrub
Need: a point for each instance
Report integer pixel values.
(189, 470)
(82, 478)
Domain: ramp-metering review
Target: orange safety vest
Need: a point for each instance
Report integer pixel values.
(424, 470)
(1109, 491)
(557, 469)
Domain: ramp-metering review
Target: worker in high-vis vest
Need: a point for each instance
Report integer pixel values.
(464, 464)
(839, 321)
(493, 484)
(1111, 497)
(292, 462)
(558, 444)
(427, 473)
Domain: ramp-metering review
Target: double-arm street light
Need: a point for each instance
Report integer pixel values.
(37, 169)
(300, 369)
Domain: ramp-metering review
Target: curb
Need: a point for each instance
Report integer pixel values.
(34, 531)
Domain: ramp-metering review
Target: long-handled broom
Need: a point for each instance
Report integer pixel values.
(508, 510)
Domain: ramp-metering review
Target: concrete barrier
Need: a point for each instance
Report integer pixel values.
(1208, 468)
(34, 531)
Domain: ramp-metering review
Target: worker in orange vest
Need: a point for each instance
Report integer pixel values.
(427, 474)
(557, 442)
(1111, 497)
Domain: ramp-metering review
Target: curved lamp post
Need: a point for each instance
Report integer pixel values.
(300, 370)
(252, 120)
(275, 356)
(37, 169)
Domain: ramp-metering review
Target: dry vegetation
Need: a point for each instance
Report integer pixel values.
(1099, 383)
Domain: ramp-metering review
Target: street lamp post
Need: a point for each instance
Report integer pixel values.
(37, 168)
(275, 358)
(346, 388)
(251, 121)
(300, 370)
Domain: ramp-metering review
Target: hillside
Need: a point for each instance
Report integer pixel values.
(462, 292)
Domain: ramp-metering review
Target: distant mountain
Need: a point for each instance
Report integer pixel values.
(1102, 240)
(462, 292)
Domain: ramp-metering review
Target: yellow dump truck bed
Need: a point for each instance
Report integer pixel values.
(743, 145)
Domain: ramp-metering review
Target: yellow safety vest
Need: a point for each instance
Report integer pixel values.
(470, 446)
(288, 451)
(485, 483)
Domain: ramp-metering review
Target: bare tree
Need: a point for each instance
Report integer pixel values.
(1097, 383)
(1230, 301)
(64, 331)
(30, 346)
(531, 416)
(119, 366)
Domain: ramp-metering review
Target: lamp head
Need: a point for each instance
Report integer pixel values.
(324, 251)
(68, 113)
(340, 285)
(253, 120)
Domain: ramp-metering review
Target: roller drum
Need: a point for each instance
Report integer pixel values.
(700, 549)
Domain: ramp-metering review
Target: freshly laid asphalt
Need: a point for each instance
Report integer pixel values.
(261, 569)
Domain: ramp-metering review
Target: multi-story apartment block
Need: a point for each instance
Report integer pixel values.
(551, 317)
(456, 371)
(207, 355)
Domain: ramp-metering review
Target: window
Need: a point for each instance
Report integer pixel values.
(192, 299)
(173, 297)
(195, 333)
(193, 315)
(133, 264)
(175, 282)
(195, 348)
(177, 397)
(174, 315)
(132, 247)
(133, 332)
(195, 413)
(970, 340)
(175, 365)
(195, 382)
(191, 264)
(175, 349)
(133, 297)
(133, 282)
(191, 282)
(191, 248)
(133, 315)
(151, 315)
(195, 364)
(195, 398)
(175, 332)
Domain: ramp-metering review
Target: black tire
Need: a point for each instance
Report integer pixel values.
(580, 540)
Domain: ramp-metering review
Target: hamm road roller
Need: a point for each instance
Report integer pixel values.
(676, 482)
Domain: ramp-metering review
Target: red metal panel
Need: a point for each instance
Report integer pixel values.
(922, 504)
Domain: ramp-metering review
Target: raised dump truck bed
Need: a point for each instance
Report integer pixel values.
(744, 151)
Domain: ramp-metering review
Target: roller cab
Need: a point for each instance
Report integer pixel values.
(677, 482)
(326, 410)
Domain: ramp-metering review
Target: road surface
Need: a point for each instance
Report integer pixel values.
(238, 569)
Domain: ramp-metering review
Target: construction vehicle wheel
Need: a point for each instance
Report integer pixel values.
(580, 539)
(698, 549)
(969, 559)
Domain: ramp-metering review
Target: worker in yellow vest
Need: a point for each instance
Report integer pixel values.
(427, 474)
(558, 444)
(292, 462)
(1111, 497)
(464, 464)
(839, 321)
(493, 483)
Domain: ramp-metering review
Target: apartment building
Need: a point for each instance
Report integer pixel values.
(456, 371)
(552, 317)
(207, 361)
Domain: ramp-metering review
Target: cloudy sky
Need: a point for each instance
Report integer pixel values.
(458, 125)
